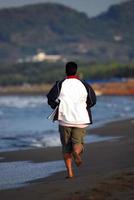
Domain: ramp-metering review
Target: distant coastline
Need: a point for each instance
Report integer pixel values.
(107, 88)
(125, 87)
(25, 89)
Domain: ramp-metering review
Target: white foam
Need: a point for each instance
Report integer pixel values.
(43, 141)
(47, 141)
(96, 138)
(22, 101)
(54, 140)
(16, 174)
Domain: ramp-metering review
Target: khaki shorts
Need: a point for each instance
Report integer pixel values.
(70, 136)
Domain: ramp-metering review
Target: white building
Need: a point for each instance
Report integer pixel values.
(41, 56)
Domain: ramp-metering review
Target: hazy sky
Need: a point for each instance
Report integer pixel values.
(91, 7)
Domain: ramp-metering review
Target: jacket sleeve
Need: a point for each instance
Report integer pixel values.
(91, 98)
(53, 95)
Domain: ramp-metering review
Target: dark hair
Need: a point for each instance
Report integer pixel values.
(71, 68)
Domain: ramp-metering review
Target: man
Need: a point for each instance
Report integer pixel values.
(72, 98)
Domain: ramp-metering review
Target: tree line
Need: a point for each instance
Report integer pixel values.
(46, 72)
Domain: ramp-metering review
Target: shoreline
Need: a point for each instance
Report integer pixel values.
(101, 161)
(93, 138)
(97, 131)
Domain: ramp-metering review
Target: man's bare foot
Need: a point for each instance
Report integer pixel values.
(69, 177)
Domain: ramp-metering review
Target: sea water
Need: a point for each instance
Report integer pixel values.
(24, 123)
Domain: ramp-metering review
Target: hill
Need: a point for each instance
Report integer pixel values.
(57, 29)
(50, 27)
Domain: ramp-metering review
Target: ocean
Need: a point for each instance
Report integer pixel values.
(24, 123)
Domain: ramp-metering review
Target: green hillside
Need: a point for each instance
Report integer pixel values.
(57, 29)
(50, 27)
(117, 21)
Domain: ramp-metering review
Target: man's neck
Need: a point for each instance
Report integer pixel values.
(73, 76)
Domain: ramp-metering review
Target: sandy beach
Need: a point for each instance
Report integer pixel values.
(107, 171)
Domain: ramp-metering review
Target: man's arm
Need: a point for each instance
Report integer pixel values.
(91, 98)
(53, 95)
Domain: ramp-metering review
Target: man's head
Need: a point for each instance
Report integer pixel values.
(71, 68)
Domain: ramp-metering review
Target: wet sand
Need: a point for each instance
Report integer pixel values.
(107, 171)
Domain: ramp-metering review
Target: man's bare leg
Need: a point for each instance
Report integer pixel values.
(77, 150)
(68, 162)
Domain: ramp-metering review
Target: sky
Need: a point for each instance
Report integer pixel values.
(90, 7)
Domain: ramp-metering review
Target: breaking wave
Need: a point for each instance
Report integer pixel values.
(22, 101)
